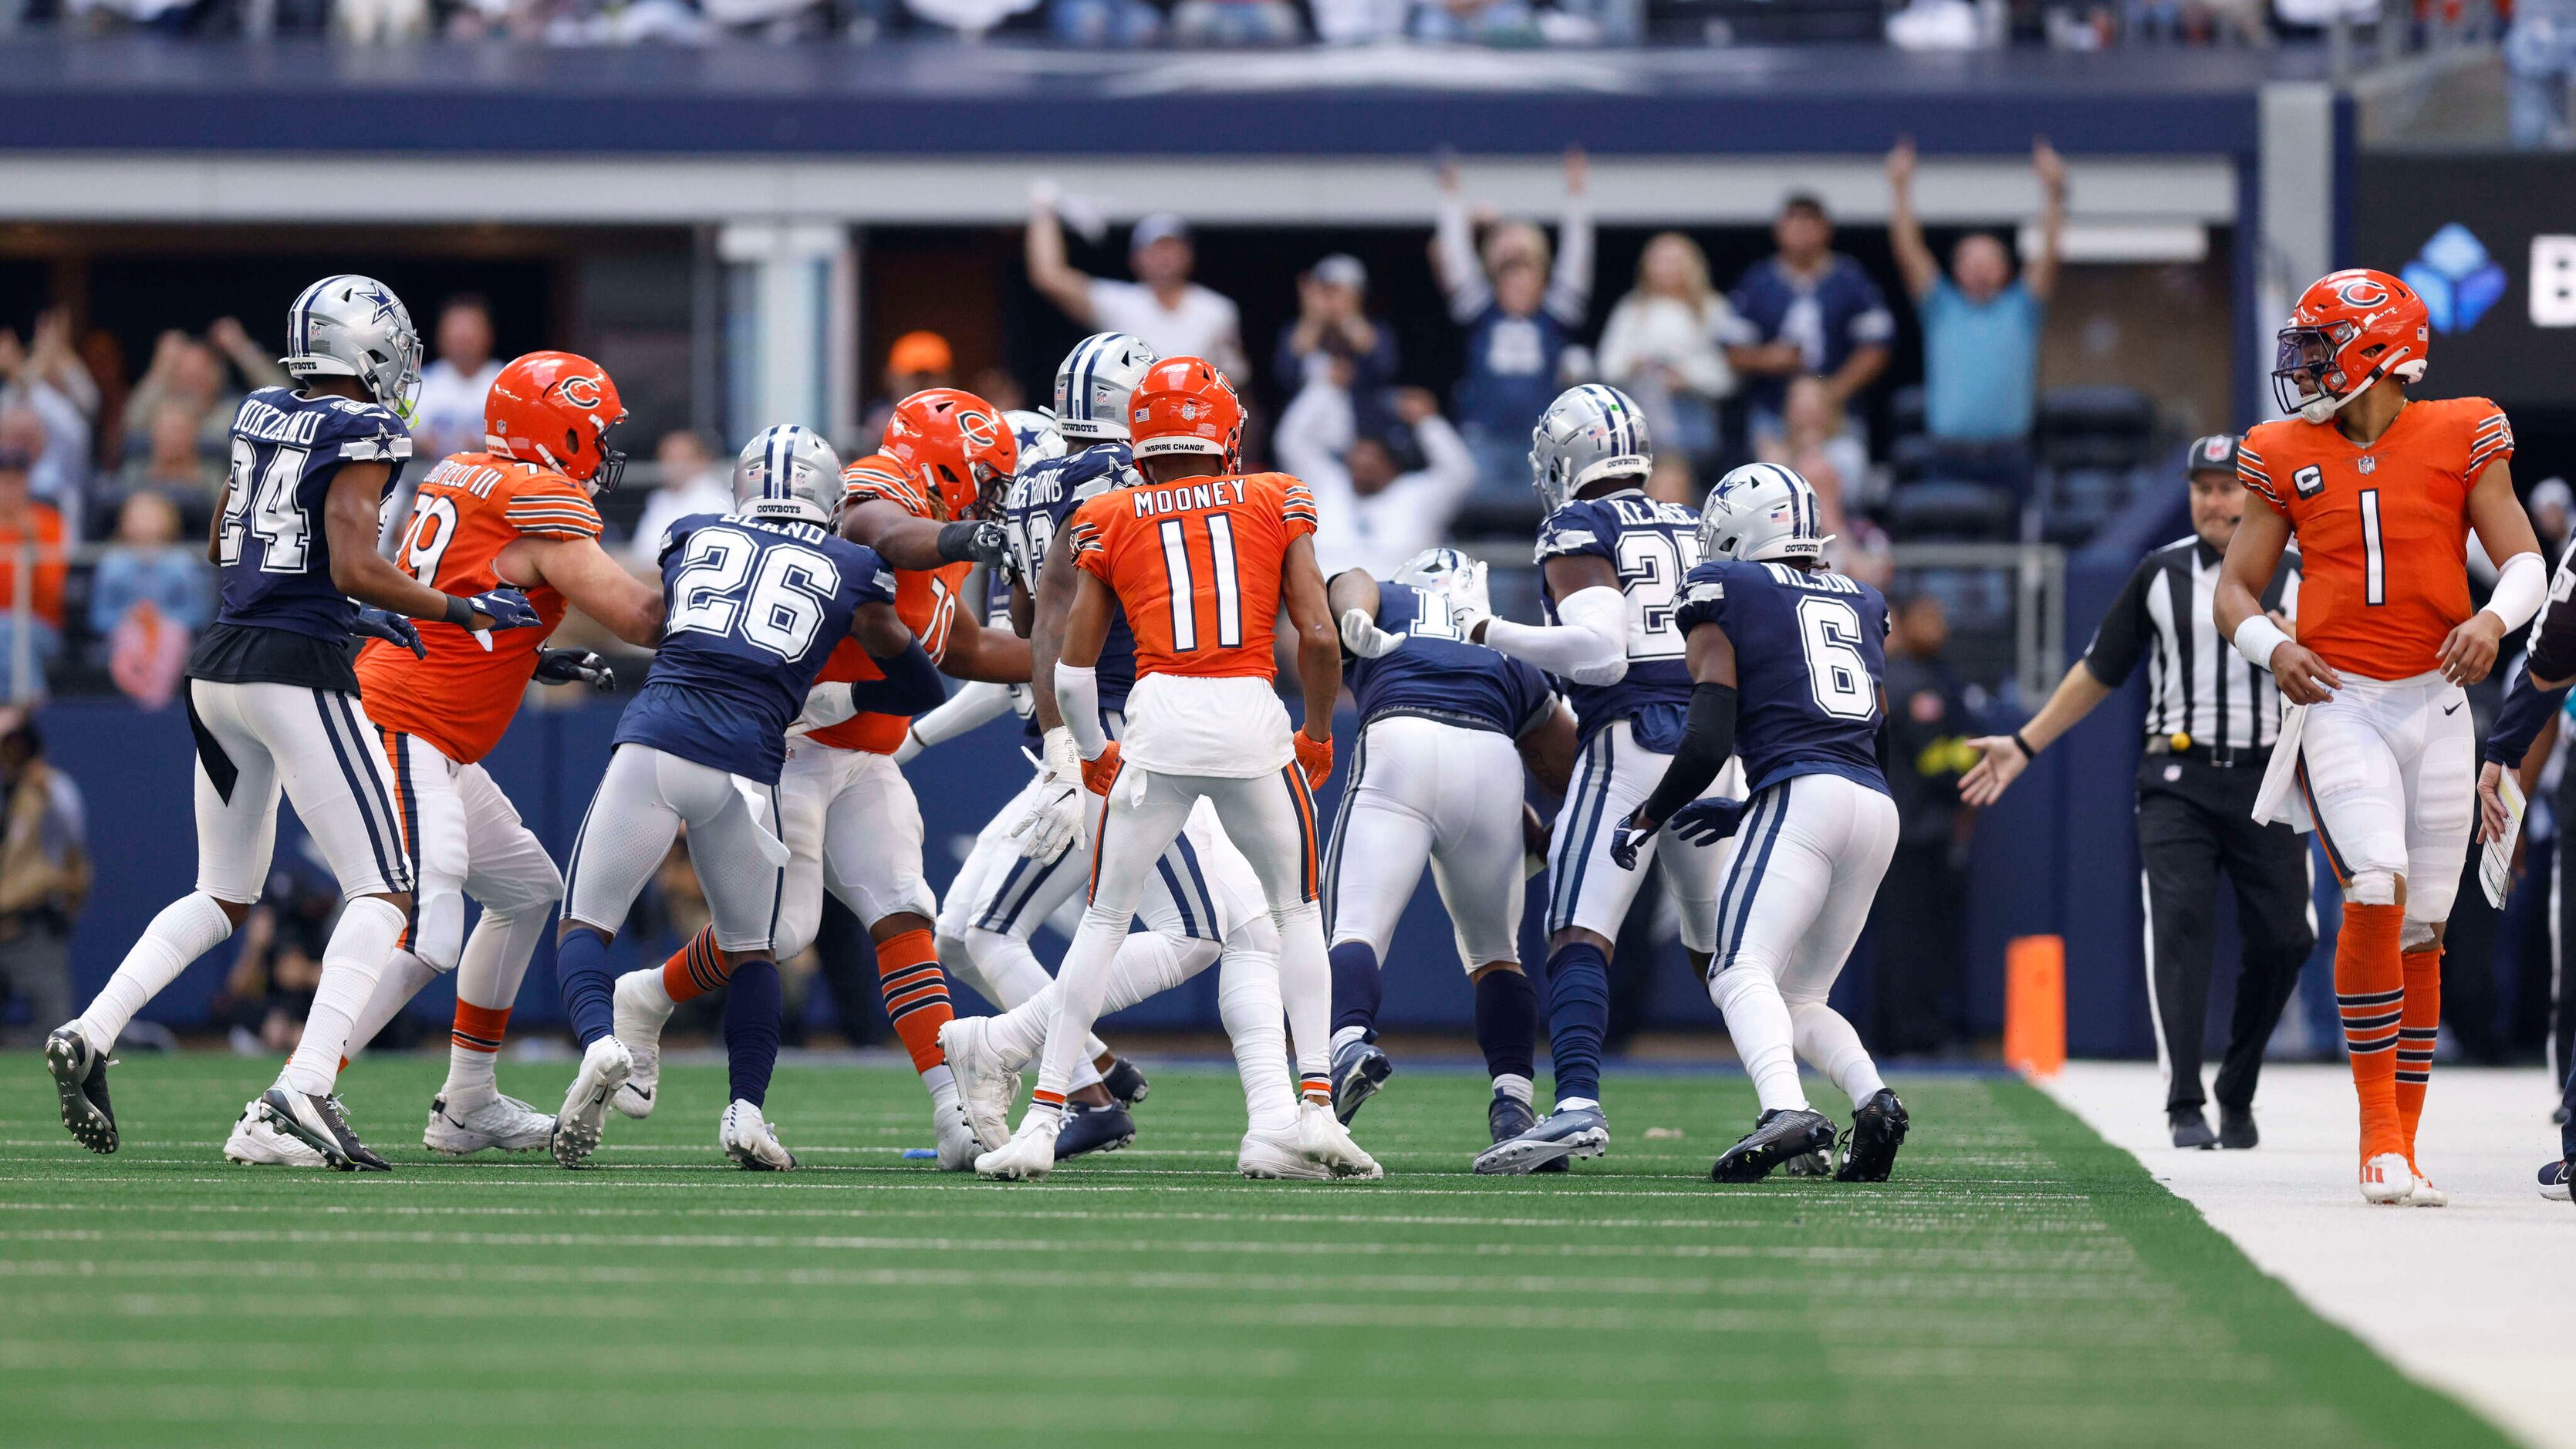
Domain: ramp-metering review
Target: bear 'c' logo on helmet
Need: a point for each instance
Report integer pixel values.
(2362, 292)
(979, 429)
(581, 392)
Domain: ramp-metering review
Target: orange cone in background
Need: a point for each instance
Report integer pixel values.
(2035, 1005)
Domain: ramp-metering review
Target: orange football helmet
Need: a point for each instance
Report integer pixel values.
(2351, 329)
(1184, 405)
(959, 446)
(556, 408)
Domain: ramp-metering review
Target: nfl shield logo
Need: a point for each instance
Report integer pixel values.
(2369, 464)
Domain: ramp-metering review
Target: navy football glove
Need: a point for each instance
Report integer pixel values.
(1706, 822)
(392, 628)
(574, 666)
(1625, 839)
(507, 608)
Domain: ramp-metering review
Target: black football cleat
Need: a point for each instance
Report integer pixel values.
(80, 1080)
(1509, 1117)
(1877, 1130)
(1359, 1069)
(2236, 1128)
(1781, 1134)
(2190, 1129)
(320, 1124)
(1092, 1129)
(2554, 1177)
(1126, 1083)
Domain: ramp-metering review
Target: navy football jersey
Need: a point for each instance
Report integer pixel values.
(1439, 675)
(1810, 660)
(1652, 545)
(1043, 497)
(274, 553)
(751, 609)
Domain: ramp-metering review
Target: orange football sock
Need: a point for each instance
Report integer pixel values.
(2370, 988)
(916, 995)
(2417, 1028)
(696, 968)
(478, 1028)
(1316, 1089)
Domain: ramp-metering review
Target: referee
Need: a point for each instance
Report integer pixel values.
(2211, 720)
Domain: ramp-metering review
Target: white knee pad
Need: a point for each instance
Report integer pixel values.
(2372, 888)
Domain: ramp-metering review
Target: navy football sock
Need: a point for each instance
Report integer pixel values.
(1578, 1016)
(1355, 987)
(589, 992)
(751, 1020)
(1507, 1023)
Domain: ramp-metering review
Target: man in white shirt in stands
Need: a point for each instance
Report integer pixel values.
(1369, 515)
(691, 482)
(447, 415)
(1162, 307)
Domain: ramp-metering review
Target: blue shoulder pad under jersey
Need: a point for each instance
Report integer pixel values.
(1041, 499)
(1810, 662)
(1438, 675)
(751, 609)
(274, 551)
(1651, 545)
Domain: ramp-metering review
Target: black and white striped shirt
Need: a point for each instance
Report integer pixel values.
(2197, 684)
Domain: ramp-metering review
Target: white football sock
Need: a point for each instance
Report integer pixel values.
(186, 929)
(1247, 1001)
(1306, 986)
(1081, 985)
(402, 980)
(352, 963)
(488, 973)
(1347, 1035)
(1758, 1020)
(1003, 970)
(1827, 1042)
(939, 1079)
(1517, 1087)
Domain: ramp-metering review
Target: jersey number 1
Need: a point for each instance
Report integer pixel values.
(1185, 599)
(2374, 560)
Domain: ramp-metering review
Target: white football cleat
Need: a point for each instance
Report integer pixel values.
(604, 1069)
(959, 1143)
(2425, 1193)
(498, 1123)
(1276, 1156)
(2386, 1180)
(639, 1010)
(1322, 1138)
(751, 1141)
(987, 1089)
(256, 1140)
(1028, 1157)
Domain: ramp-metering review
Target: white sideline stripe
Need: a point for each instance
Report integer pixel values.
(2477, 1299)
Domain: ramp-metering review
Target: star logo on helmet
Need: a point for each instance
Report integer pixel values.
(384, 300)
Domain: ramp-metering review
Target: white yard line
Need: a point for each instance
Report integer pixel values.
(2477, 1299)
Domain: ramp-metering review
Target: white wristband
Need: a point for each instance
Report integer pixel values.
(2257, 637)
(2521, 587)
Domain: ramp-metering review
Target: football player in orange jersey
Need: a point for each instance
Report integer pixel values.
(1201, 557)
(2377, 747)
(517, 514)
(848, 817)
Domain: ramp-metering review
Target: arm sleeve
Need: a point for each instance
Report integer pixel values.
(1469, 293)
(1569, 287)
(1077, 695)
(911, 685)
(968, 708)
(2122, 636)
(2553, 635)
(2526, 711)
(1707, 739)
(2522, 587)
(1590, 647)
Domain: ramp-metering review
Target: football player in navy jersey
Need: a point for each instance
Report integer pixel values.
(1613, 560)
(754, 601)
(1445, 727)
(273, 702)
(1788, 668)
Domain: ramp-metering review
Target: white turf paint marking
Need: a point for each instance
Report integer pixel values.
(2477, 1299)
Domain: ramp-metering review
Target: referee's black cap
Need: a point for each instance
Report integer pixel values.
(2215, 453)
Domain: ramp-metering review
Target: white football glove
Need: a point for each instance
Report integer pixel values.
(1362, 636)
(1055, 817)
(825, 706)
(1467, 617)
(910, 747)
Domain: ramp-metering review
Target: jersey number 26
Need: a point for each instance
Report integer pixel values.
(775, 606)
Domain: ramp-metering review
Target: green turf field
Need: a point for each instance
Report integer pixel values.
(2020, 1283)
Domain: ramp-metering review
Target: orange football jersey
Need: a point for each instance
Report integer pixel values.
(469, 508)
(2383, 531)
(1196, 566)
(926, 601)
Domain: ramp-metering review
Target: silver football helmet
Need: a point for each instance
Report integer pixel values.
(1452, 575)
(1092, 384)
(788, 472)
(1589, 433)
(353, 326)
(1036, 434)
(1762, 513)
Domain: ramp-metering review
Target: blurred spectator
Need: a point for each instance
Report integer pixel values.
(30, 529)
(1918, 919)
(1162, 307)
(150, 594)
(1815, 441)
(1458, 21)
(1520, 317)
(1234, 22)
(103, 363)
(2539, 59)
(1980, 325)
(449, 415)
(270, 989)
(172, 469)
(47, 378)
(1374, 513)
(191, 374)
(1104, 22)
(916, 360)
(378, 22)
(692, 482)
(1662, 347)
(44, 876)
(2553, 514)
(1358, 22)
(997, 386)
(1333, 327)
(1806, 309)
